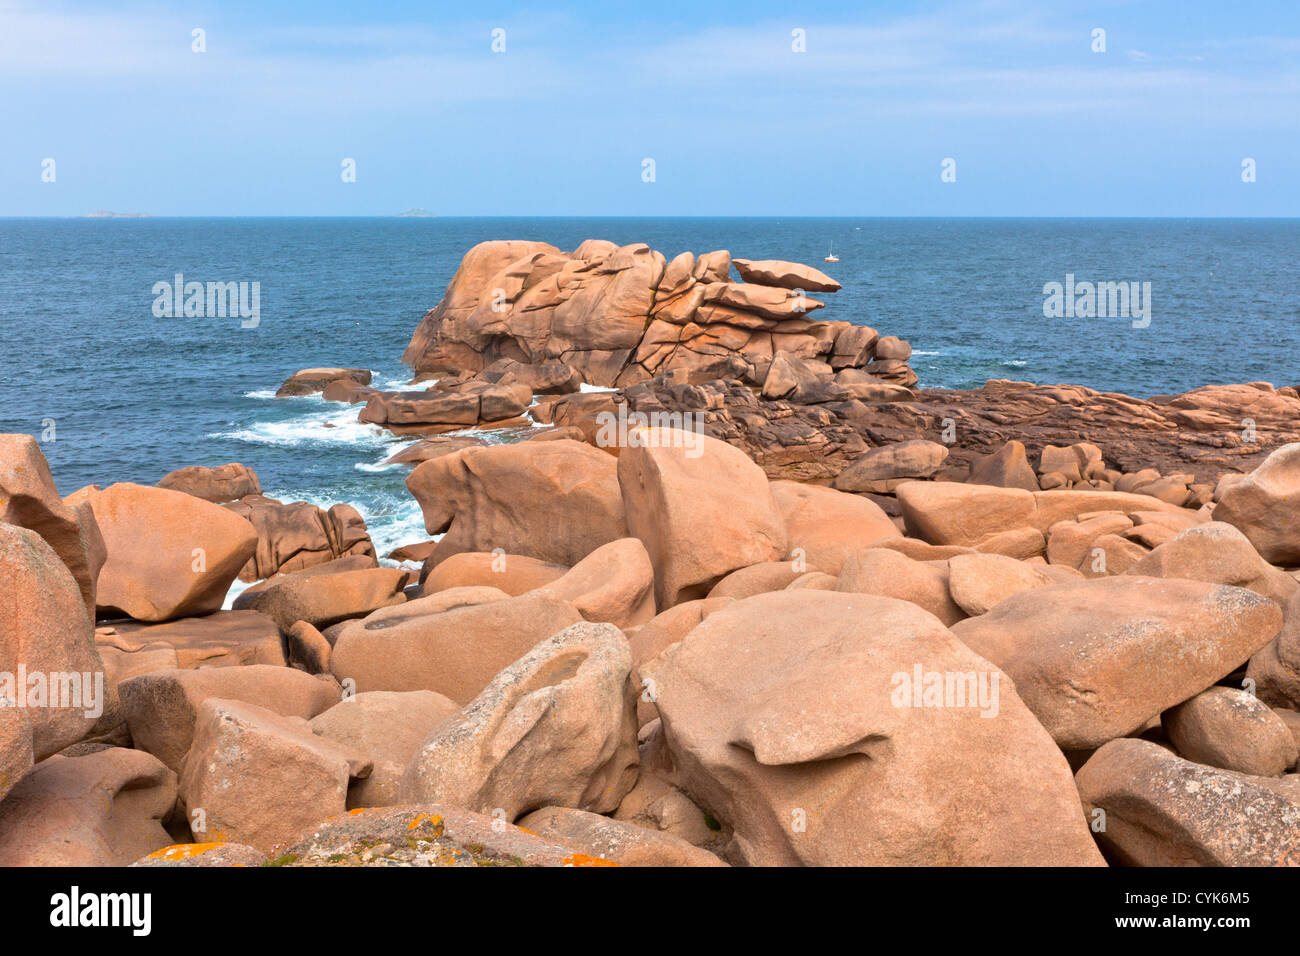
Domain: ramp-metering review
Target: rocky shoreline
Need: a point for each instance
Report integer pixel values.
(733, 590)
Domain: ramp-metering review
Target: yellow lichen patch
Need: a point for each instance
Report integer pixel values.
(182, 851)
(434, 820)
(581, 859)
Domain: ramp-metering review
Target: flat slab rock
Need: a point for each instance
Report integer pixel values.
(1198, 433)
(427, 835)
(221, 639)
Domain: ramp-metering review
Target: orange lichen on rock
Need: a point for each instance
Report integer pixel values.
(182, 851)
(581, 859)
(434, 820)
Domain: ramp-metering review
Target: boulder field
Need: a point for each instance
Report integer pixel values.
(669, 660)
(828, 619)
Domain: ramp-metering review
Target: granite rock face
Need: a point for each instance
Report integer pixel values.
(621, 315)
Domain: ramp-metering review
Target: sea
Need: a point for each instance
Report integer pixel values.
(117, 392)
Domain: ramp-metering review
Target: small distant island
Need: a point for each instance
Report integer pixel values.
(107, 214)
(416, 213)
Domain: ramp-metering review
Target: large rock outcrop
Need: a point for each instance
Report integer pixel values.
(620, 315)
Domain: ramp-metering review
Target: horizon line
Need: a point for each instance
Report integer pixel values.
(144, 216)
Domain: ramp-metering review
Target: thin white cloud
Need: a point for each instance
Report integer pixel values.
(994, 57)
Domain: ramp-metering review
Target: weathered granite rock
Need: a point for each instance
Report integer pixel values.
(448, 406)
(452, 642)
(881, 469)
(980, 582)
(785, 718)
(1095, 660)
(1231, 729)
(701, 507)
(387, 727)
(204, 855)
(311, 380)
(49, 668)
(1008, 467)
(291, 537)
(1265, 506)
(259, 778)
(29, 499)
(161, 706)
(426, 835)
(618, 315)
(557, 728)
(1219, 553)
(1161, 810)
(824, 526)
(514, 574)
(785, 275)
(555, 501)
(322, 595)
(169, 554)
(887, 573)
(101, 809)
(216, 484)
(221, 639)
(623, 843)
(614, 584)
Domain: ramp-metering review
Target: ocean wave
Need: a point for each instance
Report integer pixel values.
(497, 436)
(402, 383)
(595, 388)
(383, 464)
(336, 425)
(260, 393)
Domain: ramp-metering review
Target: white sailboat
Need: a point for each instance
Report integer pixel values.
(831, 256)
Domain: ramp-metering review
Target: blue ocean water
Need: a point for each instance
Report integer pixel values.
(133, 396)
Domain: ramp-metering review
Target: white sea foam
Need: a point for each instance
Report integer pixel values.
(261, 393)
(401, 383)
(596, 388)
(336, 425)
(236, 589)
(495, 436)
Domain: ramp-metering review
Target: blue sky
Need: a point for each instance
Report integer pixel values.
(736, 122)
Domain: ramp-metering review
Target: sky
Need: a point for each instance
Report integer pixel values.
(736, 120)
